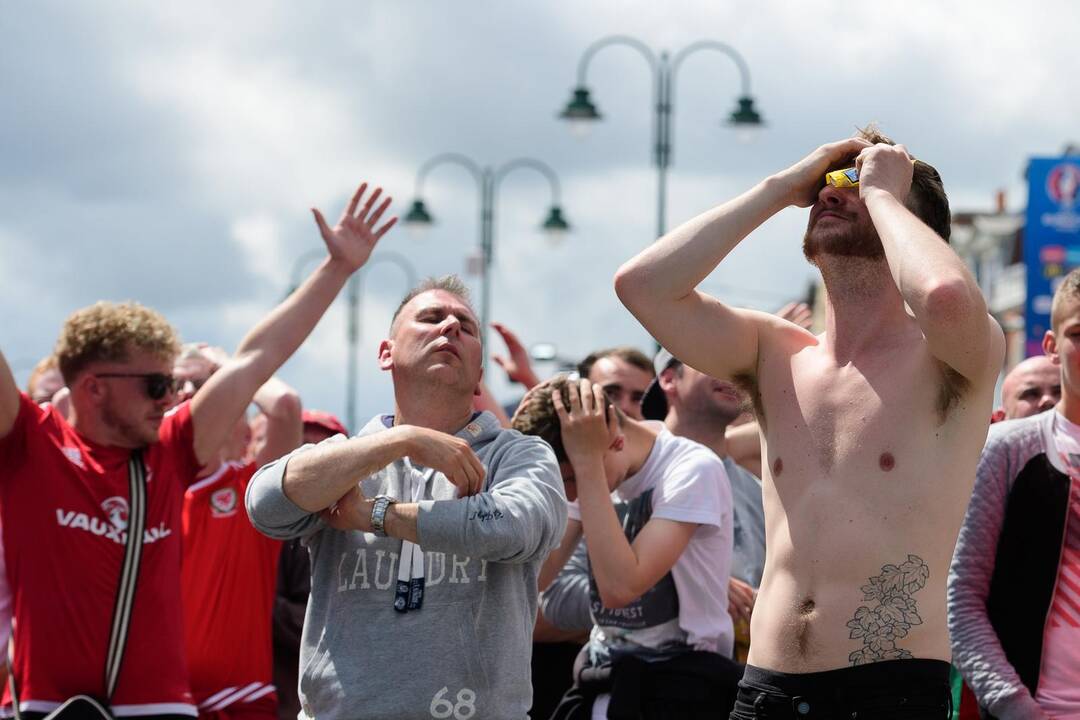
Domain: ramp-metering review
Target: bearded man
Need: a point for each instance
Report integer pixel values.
(871, 430)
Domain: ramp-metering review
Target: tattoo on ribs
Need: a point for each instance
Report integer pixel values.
(880, 626)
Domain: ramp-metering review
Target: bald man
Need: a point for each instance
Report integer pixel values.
(1031, 387)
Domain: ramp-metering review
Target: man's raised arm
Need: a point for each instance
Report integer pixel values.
(933, 280)
(269, 344)
(658, 286)
(9, 397)
(281, 405)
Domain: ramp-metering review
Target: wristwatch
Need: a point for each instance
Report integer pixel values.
(378, 514)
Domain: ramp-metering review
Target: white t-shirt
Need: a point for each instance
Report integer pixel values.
(686, 482)
(1059, 673)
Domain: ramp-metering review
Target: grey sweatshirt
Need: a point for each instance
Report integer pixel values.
(464, 654)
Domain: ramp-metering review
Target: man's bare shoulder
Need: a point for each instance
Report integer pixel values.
(778, 341)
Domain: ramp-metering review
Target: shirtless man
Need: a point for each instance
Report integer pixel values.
(871, 430)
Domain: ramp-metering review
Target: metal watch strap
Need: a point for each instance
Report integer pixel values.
(378, 514)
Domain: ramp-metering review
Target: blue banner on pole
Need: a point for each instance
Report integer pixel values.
(1051, 239)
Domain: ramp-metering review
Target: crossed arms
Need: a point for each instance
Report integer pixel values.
(515, 513)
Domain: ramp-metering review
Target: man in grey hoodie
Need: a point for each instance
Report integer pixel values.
(426, 533)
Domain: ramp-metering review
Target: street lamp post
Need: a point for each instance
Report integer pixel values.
(354, 295)
(488, 180)
(581, 111)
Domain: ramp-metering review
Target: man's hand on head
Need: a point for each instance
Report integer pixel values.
(803, 180)
(447, 454)
(352, 239)
(588, 430)
(885, 168)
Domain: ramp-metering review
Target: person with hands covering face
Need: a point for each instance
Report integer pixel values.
(658, 577)
(426, 533)
(696, 406)
(871, 430)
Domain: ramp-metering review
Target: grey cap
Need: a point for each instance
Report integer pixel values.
(654, 404)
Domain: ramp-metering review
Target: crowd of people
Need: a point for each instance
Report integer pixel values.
(756, 522)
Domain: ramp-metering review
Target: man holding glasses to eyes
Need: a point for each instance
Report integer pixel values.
(64, 486)
(871, 431)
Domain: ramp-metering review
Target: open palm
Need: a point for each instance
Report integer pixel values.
(354, 236)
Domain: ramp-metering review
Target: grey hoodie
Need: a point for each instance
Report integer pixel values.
(466, 653)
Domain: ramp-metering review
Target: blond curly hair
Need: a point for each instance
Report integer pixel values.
(108, 332)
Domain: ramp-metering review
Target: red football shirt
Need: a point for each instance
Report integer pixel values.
(64, 505)
(229, 578)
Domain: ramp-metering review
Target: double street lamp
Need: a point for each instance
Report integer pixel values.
(353, 296)
(488, 180)
(581, 112)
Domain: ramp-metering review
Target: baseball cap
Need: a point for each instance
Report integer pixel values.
(654, 403)
(324, 420)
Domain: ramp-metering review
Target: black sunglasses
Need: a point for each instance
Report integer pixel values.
(158, 385)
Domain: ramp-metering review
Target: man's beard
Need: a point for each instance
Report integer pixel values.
(851, 241)
(715, 413)
(132, 434)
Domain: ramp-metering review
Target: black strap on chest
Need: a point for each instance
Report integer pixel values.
(129, 572)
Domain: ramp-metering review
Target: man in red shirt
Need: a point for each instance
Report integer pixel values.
(64, 485)
(229, 569)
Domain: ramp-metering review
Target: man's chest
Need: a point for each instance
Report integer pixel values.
(69, 503)
(872, 412)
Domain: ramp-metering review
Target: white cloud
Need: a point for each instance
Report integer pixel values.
(258, 237)
(171, 152)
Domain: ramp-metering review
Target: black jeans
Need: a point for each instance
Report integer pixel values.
(891, 690)
(693, 685)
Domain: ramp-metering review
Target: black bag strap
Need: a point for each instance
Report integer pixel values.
(129, 572)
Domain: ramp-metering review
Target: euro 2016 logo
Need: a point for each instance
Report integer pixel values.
(1063, 185)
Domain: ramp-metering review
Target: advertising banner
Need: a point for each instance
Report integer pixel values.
(1051, 239)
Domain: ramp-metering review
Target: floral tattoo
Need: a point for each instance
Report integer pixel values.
(879, 627)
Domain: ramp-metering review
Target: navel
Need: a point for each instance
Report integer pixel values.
(886, 462)
(777, 467)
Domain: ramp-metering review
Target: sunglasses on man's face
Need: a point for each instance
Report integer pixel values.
(158, 385)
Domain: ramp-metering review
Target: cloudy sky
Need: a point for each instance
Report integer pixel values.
(169, 152)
